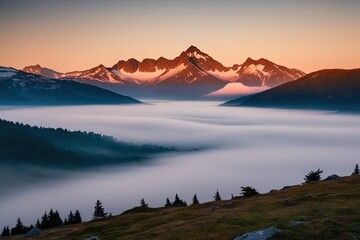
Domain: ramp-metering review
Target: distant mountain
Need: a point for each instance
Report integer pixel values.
(21, 88)
(46, 72)
(262, 72)
(332, 89)
(99, 73)
(192, 73)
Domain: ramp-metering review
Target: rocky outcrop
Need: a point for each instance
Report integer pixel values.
(260, 235)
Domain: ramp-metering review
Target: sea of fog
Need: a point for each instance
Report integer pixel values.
(263, 148)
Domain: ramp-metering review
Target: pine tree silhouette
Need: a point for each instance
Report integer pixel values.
(19, 228)
(356, 170)
(77, 217)
(5, 232)
(217, 196)
(99, 211)
(167, 202)
(44, 221)
(248, 191)
(195, 200)
(313, 176)
(143, 203)
(38, 225)
(178, 202)
(57, 221)
(70, 219)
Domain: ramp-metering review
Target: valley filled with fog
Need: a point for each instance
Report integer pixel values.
(263, 148)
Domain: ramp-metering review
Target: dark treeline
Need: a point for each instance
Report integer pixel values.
(48, 220)
(49, 147)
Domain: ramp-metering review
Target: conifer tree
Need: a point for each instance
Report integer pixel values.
(167, 202)
(51, 218)
(248, 191)
(5, 232)
(217, 196)
(143, 203)
(99, 211)
(38, 225)
(178, 202)
(356, 170)
(18, 229)
(77, 217)
(195, 200)
(70, 219)
(57, 219)
(313, 176)
(44, 221)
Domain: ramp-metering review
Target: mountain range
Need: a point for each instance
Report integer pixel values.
(191, 74)
(332, 89)
(21, 88)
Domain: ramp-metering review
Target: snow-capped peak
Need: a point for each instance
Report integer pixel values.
(194, 52)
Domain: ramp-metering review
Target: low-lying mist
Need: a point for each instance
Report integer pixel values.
(262, 148)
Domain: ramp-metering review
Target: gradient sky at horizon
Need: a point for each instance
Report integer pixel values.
(79, 34)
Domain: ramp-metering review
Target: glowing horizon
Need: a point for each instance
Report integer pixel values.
(78, 35)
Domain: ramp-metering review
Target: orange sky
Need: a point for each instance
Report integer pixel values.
(77, 35)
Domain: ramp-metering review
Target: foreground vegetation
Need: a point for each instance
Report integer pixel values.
(330, 210)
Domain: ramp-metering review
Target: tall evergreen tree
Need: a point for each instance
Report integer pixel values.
(57, 221)
(70, 219)
(38, 225)
(167, 202)
(217, 196)
(44, 221)
(356, 170)
(99, 211)
(19, 228)
(77, 217)
(195, 200)
(51, 219)
(143, 203)
(5, 232)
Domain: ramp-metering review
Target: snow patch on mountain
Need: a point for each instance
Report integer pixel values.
(197, 55)
(172, 72)
(73, 74)
(229, 75)
(255, 69)
(7, 72)
(139, 75)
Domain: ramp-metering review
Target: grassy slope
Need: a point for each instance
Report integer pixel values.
(330, 208)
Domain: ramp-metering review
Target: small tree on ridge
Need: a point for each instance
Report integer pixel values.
(195, 200)
(356, 170)
(99, 211)
(313, 176)
(217, 196)
(248, 191)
